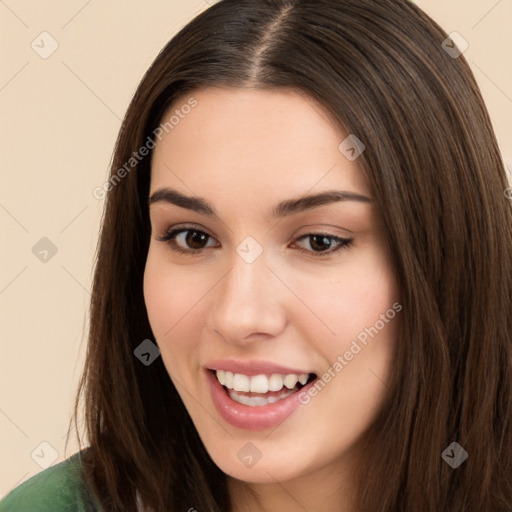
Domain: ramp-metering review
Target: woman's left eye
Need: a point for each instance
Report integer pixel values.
(327, 244)
(193, 241)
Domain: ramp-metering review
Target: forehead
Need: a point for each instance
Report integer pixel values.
(271, 141)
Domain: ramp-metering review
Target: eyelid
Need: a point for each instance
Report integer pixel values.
(182, 227)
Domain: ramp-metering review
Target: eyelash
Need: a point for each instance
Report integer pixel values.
(170, 235)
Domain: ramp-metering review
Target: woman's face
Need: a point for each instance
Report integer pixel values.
(274, 287)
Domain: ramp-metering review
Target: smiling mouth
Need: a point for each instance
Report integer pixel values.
(263, 389)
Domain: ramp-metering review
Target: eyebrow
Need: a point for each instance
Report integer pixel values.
(283, 209)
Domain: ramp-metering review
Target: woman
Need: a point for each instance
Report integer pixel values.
(303, 292)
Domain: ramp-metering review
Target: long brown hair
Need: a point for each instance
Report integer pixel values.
(438, 180)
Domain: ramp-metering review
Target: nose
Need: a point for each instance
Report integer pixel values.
(249, 303)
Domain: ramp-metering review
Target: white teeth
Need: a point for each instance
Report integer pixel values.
(275, 382)
(257, 401)
(221, 376)
(259, 383)
(228, 377)
(240, 382)
(291, 380)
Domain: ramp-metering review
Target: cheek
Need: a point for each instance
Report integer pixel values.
(367, 333)
(160, 298)
(171, 297)
(354, 299)
(169, 293)
(358, 358)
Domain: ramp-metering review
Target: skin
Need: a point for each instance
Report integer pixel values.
(244, 151)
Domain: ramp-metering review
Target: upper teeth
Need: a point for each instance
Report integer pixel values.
(259, 383)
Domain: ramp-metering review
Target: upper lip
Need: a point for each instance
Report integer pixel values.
(252, 367)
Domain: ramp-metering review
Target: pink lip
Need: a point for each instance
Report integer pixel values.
(253, 367)
(253, 418)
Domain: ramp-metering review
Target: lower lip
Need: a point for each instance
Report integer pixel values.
(252, 418)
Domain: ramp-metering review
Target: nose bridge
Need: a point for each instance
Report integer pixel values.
(246, 301)
(248, 271)
(247, 276)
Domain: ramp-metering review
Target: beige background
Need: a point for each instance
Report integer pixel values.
(60, 118)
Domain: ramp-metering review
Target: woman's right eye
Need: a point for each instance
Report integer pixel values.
(186, 240)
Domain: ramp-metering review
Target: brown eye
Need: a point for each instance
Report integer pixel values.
(320, 243)
(186, 240)
(323, 244)
(196, 239)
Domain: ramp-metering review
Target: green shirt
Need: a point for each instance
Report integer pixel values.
(59, 488)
